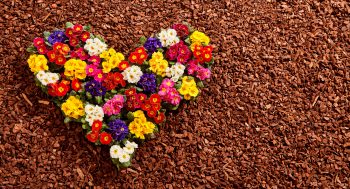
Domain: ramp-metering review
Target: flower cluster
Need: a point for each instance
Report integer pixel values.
(114, 105)
(168, 92)
(120, 100)
(93, 113)
(158, 64)
(73, 107)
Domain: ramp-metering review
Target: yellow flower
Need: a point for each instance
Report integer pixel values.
(111, 52)
(106, 67)
(193, 91)
(104, 55)
(73, 107)
(157, 56)
(200, 37)
(114, 61)
(75, 68)
(194, 44)
(140, 126)
(37, 63)
(187, 97)
(120, 56)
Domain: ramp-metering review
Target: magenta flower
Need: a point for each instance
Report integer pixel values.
(91, 70)
(203, 73)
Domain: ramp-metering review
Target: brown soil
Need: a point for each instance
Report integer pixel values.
(276, 113)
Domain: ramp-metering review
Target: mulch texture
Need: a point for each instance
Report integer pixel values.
(275, 113)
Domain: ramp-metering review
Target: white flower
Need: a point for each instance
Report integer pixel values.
(95, 46)
(130, 147)
(168, 37)
(116, 151)
(89, 108)
(46, 78)
(124, 157)
(132, 74)
(175, 72)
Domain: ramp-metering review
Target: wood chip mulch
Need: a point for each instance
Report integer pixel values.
(275, 114)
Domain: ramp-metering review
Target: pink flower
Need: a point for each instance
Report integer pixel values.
(171, 53)
(176, 100)
(95, 60)
(82, 54)
(203, 73)
(192, 68)
(114, 105)
(99, 75)
(168, 83)
(162, 91)
(91, 70)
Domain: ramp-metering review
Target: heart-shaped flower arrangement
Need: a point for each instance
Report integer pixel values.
(120, 101)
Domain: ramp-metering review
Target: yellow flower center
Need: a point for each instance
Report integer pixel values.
(61, 89)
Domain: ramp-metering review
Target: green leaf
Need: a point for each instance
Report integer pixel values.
(174, 107)
(46, 34)
(69, 24)
(114, 91)
(178, 85)
(67, 120)
(85, 126)
(100, 38)
(200, 84)
(188, 41)
(88, 95)
(160, 50)
(143, 40)
(126, 164)
(87, 27)
(171, 63)
(130, 116)
(139, 89)
(98, 99)
(31, 49)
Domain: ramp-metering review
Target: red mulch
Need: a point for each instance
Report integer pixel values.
(276, 113)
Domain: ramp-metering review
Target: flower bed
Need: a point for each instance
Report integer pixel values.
(120, 101)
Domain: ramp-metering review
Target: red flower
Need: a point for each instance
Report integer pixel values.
(73, 41)
(197, 53)
(130, 106)
(57, 46)
(207, 57)
(146, 106)
(208, 49)
(52, 55)
(136, 104)
(123, 65)
(42, 49)
(113, 80)
(154, 99)
(134, 57)
(130, 92)
(64, 50)
(96, 125)
(92, 136)
(62, 89)
(141, 97)
(38, 42)
(52, 89)
(84, 36)
(77, 28)
(105, 138)
(155, 107)
(60, 60)
(142, 58)
(181, 30)
(66, 82)
(69, 32)
(76, 84)
(160, 118)
(151, 113)
(140, 50)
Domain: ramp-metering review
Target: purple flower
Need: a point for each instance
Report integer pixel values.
(57, 36)
(148, 83)
(95, 88)
(152, 44)
(118, 129)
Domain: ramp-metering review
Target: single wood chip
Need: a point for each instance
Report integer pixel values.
(44, 102)
(26, 99)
